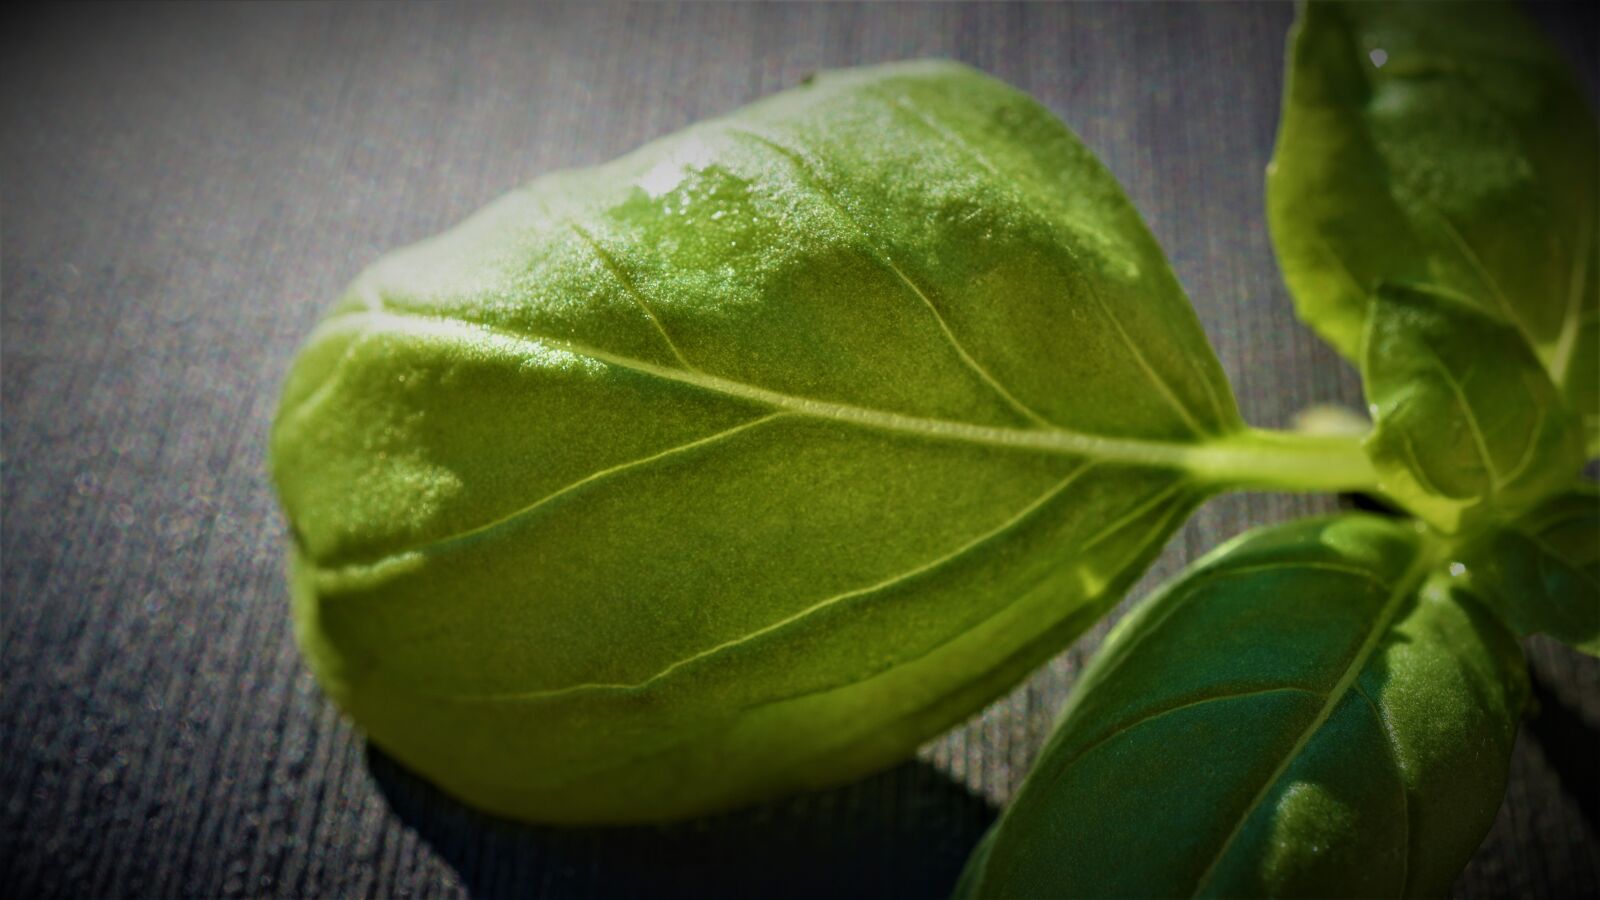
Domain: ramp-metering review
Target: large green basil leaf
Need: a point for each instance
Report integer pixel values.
(1313, 710)
(1542, 572)
(1468, 428)
(1441, 144)
(753, 459)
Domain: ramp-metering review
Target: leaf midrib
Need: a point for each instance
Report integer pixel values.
(1243, 458)
(1053, 440)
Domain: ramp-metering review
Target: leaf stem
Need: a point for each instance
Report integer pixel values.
(1285, 461)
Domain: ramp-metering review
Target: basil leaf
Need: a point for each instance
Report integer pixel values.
(1311, 710)
(1467, 426)
(1542, 572)
(1441, 144)
(753, 459)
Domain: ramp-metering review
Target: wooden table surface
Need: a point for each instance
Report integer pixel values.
(185, 188)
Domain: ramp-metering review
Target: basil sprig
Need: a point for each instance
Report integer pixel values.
(751, 460)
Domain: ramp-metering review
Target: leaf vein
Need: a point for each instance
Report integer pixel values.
(966, 547)
(1567, 339)
(529, 509)
(1531, 443)
(1416, 467)
(630, 288)
(1548, 550)
(1160, 712)
(1459, 241)
(1469, 415)
(1205, 577)
(1149, 371)
(1158, 527)
(820, 187)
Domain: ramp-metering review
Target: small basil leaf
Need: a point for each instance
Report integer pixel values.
(1312, 710)
(1542, 572)
(749, 461)
(1443, 144)
(1467, 425)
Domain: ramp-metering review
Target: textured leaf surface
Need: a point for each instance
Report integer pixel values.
(1444, 145)
(1468, 427)
(746, 462)
(1313, 710)
(1542, 572)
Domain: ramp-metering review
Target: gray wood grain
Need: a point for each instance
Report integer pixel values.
(185, 188)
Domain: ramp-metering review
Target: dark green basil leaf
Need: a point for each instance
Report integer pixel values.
(1441, 144)
(753, 459)
(1468, 427)
(1542, 572)
(1313, 710)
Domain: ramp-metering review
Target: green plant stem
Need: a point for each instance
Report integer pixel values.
(1285, 461)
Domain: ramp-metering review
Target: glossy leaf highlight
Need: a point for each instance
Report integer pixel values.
(1313, 710)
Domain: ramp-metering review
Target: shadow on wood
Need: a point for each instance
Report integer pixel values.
(1570, 745)
(903, 833)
